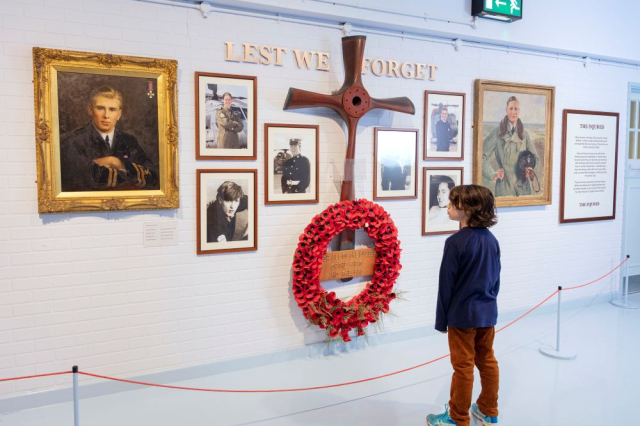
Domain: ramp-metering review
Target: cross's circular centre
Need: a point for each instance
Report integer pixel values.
(356, 101)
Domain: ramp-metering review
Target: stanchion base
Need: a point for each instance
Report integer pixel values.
(627, 305)
(552, 353)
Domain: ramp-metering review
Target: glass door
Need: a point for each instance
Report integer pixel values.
(631, 222)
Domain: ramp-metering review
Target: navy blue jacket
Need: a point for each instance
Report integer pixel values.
(80, 147)
(469, 280)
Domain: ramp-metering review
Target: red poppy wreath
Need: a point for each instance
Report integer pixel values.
(322, 308)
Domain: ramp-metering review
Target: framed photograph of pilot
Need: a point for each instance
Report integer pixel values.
(226, 116)
(514, 141)
(444, 114)
(395, 159)
(291, 163)
(436, 185)
(106, 132)
(589, 166)
(227, 212)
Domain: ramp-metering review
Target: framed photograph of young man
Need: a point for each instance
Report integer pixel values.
(226, 116)
(291, 163)
(589, 165)
(514, 141)
(395, 159)
(106, 132)
(444, 114)
(227, 212)
(437, 183)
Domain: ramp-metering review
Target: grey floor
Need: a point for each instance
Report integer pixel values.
(600, 387)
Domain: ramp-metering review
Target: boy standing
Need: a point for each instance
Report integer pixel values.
(467, 308)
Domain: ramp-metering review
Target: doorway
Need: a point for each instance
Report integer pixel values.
(631, 223)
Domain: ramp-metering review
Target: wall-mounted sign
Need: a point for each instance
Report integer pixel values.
(274, 55)
(500, 10)
(348, 263)
(589, 166)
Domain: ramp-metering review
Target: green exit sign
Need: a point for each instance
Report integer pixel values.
(501, 10)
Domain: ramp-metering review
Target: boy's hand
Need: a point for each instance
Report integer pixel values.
(444, 332)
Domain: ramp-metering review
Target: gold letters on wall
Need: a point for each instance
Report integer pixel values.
(273, 55)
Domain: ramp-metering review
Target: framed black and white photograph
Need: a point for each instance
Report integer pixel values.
(227, 215)
(226, 116)
(444, 114)
(589, 166)
(436, 186)
(395, 160)
(291, 163)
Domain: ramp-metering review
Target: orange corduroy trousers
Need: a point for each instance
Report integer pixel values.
(469, 347)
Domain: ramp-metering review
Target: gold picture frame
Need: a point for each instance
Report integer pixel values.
(513, 141)
(137, 169)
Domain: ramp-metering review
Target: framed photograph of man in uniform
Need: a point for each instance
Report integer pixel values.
(226, 116)
(444, 118)
(291, 163)
(106, 132)
(227, 212)
(437, 183)
(395, 159)
(514, 141)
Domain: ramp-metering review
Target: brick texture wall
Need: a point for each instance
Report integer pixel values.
(81, 288)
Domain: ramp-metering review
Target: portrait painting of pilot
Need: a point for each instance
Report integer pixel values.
(114, 135)
(514, 137)
(100, 155)
(227, 217)
(291, 163)
(444, 122)
(226, 116)
(395, 163)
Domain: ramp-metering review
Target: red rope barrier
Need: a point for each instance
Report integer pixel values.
(34, 376)
(262, 390)
(135, 382)
(529, 311)
(605, 275)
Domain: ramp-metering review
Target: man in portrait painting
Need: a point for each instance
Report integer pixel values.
(99, 156)
(515, 154)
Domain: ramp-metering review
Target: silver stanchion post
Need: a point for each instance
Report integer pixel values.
(624, 297)
(76, 401)
(557, 353)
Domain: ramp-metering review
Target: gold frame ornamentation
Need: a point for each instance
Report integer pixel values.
(518, 89)
(51, 199)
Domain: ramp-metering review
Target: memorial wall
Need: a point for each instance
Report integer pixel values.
(183, 251)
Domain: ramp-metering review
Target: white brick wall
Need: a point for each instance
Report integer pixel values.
(81, 288)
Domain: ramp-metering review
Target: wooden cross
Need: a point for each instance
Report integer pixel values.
(351, 102)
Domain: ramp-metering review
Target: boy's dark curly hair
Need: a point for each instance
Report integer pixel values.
(477, 202)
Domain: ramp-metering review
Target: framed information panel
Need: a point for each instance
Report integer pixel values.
(589, 166)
